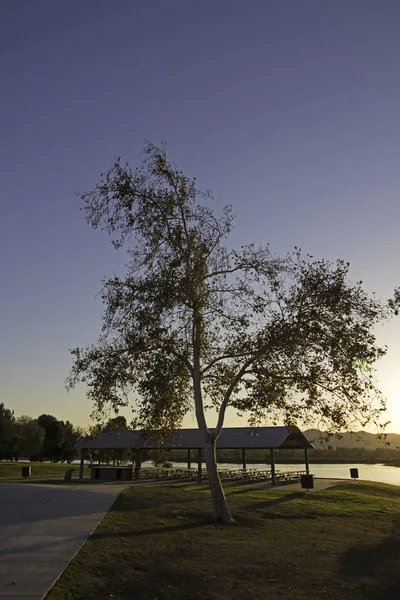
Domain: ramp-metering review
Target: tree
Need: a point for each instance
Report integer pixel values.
(29, 437)
(71, 435)
(61, 439)
(193, 324)
(7, 432)
(53, 439)
(109, 455)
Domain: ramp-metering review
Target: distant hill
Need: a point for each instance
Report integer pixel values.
(358, 439)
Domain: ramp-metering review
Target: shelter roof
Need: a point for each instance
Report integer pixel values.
(230, 438)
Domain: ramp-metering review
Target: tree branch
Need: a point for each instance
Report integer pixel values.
(224, 272)
(230, 389)
(220, 358)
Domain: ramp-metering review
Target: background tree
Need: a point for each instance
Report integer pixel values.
(69, 446)
(193, 323)
(60, 440)
(53, 438)
(7, 432)
(29, 437)
(109, 455)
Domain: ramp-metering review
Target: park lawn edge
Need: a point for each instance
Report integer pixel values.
(146, 548)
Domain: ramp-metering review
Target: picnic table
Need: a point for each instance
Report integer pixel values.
(167, 473)
(290, 476)
(245, 475)
(254, 475)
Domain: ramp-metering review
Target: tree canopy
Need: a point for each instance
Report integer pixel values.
(193, 323)
(7, 423)
(44, 438)
(108, 455)
(60, 439)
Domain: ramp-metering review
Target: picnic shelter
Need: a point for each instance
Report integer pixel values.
(243, 438)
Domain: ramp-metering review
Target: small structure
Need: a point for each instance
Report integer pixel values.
(354, 473)
(26, 471)
(307, 481)
(68, 474)
(243, 438)
(114, 473)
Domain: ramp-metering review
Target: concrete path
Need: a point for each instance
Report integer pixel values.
(42, 527)
(319, 484)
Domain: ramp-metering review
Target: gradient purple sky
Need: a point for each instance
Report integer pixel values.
(288, 110)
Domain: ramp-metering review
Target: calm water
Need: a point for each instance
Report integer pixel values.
(380, 473)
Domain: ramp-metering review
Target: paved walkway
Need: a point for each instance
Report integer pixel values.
(319, 484)
(42, 527)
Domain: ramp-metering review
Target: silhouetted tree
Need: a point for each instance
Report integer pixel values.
(29, 437)
(109, 455)
(194, 323)
(7, 432)
(53, 439)
(71, 436)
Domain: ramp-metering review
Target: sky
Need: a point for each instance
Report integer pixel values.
(288, 110)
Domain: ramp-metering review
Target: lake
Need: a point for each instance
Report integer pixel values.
(379, 473)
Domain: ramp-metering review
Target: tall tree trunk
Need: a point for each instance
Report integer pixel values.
(220, 505)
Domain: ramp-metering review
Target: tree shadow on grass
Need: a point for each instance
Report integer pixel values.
(375, 567)
(276, 501)
(239, 492)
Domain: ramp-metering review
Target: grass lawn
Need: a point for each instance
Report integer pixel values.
(11, 471)
(157, 543)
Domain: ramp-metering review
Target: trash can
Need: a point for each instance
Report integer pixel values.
(26, 471)
(354, 473)
(307, 481)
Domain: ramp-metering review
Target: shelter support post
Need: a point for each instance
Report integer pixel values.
(189, 462)
(199, 466)
(244, 458)
(272, 460)
(81, 465)
(306, 461)
(138, 462)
